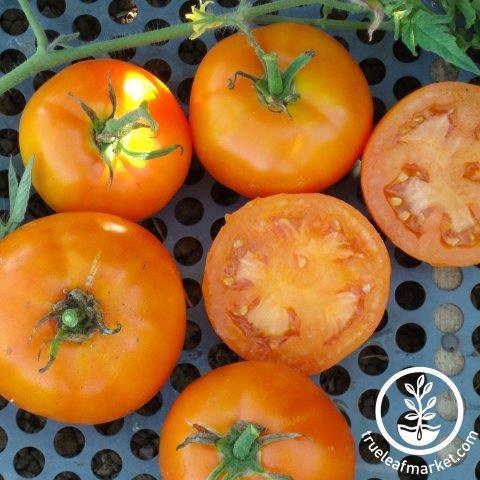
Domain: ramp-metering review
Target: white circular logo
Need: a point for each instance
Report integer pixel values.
(417, 427)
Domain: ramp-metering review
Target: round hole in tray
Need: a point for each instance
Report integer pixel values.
(67, 476)
(223, 195)
(158, 3)
(12, 102)
(373, 360)
(160, 68)
(216, 227)
(195, 173)
(193, 336)
(186, 8)
(405, 260)
(475, 296)
(156, 226)
(188, 251)
(11, 58)
(369, 456)
(13, 21)
(29, 422)
(405, 85)
(220, 355)
(379, 110)
(383, 322)
(106, 464)
(183, 375)
(87, 26)
(37, 207)
(144, 444)
(3, 439)
(476, 339)
(410, 295)
(184, 89)
(403, 53)
(477, 471)
(144, 476)
(152, 406)
(374, 70)
(189, 211)
(123, 11)
(367, 402)
(411, 337)
(336, 380)
(69, 442)
(110, 428)
(29, 462)
(3, 402)
(40, 78)
(9, 142)
(193, 292)
(192, 51)
(51, 8)
(476, 382)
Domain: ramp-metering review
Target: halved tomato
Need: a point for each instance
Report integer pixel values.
(421, 174)
(298, 278)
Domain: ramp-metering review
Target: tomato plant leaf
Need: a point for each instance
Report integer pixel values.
(19, 196)
(468, 11)
(431, 32)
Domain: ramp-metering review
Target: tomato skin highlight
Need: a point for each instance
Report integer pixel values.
(69, 172)
(136, 284)
(257, 152)
(273, 396)
(420, 169)
(301, 279)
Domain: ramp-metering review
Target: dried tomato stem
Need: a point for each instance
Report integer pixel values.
(77, 318)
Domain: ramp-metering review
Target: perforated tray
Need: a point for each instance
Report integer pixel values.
(431, 310)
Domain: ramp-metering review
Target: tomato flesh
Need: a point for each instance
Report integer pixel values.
(292, 275)
(421, 174)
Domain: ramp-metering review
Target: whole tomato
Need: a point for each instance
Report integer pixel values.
(108, 136)
(92, 318)
(299, 136)
(255, 420)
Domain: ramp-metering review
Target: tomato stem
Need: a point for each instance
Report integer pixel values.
(239, 450)
(46, 58)
(77, 318)
(109, 135)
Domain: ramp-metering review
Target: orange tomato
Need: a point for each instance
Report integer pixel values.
(69, 171)
(421, 174)
(136, 285)
(276, 400)
(257, 152)
(301, 279)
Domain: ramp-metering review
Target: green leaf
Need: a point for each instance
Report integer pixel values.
(12, 183)
(19, 206)
(468, 11)
(19, 195)
(431, 32)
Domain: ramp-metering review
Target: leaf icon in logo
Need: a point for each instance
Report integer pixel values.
(409, 388)
(420, 382)
(411, 416)
(431, 403)
(429, 416)
(427, 389)
(410, 404)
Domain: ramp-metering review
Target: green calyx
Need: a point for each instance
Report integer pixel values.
(77, 318)
(239, 450)
(109, 135)
(276, 88)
